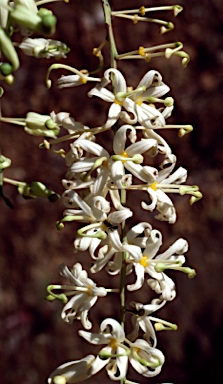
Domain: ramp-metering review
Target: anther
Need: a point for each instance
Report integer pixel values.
(141, 51)
(142, 10)
(135, 19)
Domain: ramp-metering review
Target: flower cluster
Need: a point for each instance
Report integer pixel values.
(136, 161)
(96, 184)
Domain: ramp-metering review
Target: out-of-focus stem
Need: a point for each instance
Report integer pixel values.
(110, 36)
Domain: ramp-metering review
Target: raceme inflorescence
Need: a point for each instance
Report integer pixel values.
(101, 176)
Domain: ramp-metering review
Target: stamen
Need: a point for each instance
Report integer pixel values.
(98, 235)
(160, 267)
(154, 364)
(161, 327)
(141, 51)
(166, 28)
(135, 19)
(169, 52)
(142, 10)
(113, 343)
(52, 296)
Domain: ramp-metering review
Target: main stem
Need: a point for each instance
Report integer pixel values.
(110, 36)
(113, 54)
(123, 270)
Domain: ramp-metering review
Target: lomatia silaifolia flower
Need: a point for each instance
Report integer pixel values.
(40, 47)
(138, 102)
(154, 265)
(115, 355)
(83, 291)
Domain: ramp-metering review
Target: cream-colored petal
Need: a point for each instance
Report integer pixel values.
(120, 138)
(74, 371)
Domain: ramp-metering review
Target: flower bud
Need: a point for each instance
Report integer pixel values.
(4, 162)
(8, 50)
(40, 125)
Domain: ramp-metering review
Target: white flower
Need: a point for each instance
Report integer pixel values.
(130, 157)
(134, 240)
(84, 295)
(165, 183)
(72, 372)
(114, 355)
(138, 234)
(88, 164)
(148, 90)
(141, 319)
(146, 360)
(64, 119)
(154, 265)
(75, 80)
(133, 101)
(40, 47)
(97, 214)
(119, 86)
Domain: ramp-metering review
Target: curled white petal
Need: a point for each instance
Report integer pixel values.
(74, 371)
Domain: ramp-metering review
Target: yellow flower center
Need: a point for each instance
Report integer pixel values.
(113, 343)
(124, 154)
(139, 101)
(118, 102)
(142, 10)
(154, 186)
(144, 261)
(141, 51)
(83, 80)
(105, 163)
(89, 290)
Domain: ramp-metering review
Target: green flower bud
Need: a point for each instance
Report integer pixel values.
(8, 50)
(43, 22)
(40, 125)
(6, 69)
(4, 162)
(25, 17)
(37, 189)
(48, 21)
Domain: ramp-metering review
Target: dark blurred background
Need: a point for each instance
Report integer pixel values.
(33, 338)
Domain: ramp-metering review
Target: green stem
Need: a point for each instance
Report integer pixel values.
(17, 121)
(123, 270)
(110, 36)
(13, 182)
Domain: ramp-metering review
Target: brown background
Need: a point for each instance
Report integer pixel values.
(34, 340)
